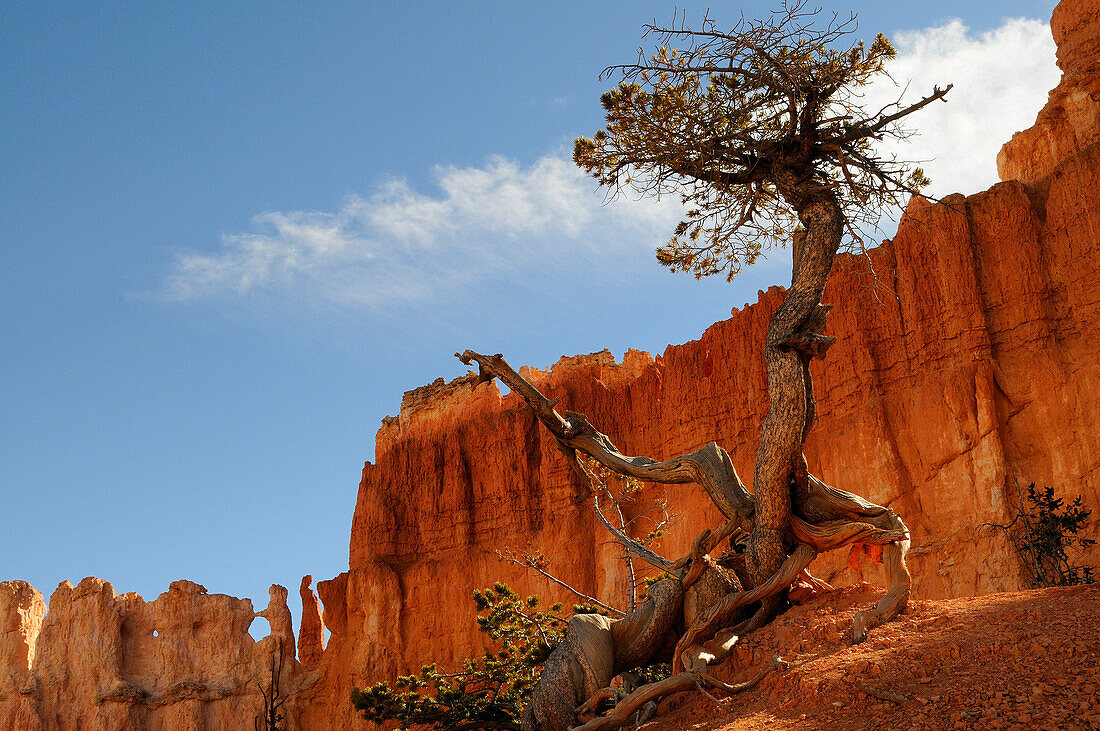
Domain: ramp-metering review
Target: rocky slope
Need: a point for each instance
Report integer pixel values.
(965, 363)
(1025, 660)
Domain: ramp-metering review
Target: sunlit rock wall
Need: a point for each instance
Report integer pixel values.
(965, 365)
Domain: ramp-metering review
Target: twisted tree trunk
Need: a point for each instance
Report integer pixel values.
(789, 517)
(795, 336)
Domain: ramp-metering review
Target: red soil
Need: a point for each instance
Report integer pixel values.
(1025, 660)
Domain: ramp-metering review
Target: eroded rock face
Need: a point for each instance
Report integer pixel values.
(965, 362)
(101, 661)
(311, 634)
(1070, 121)
(21, 613)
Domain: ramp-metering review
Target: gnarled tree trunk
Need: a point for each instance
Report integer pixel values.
(795, 336)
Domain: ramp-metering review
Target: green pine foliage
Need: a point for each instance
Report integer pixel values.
(1045, 530)
(1050, 526)
(489, 692)
(654, 673)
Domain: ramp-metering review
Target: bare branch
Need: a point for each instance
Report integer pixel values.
(937, 93)
(631, 546)
(710, 466)
(537, 562)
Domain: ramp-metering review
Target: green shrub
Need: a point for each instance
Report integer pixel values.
(489, 692)
(1042, 531)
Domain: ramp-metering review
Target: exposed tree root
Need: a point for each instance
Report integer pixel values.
(715, 617)
(624, 710)
(595, 650)
(590, 708)
(898, 583)
(777, 663)
(815, 582)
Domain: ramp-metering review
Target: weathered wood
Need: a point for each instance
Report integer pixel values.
(710, 466)
(819, 518)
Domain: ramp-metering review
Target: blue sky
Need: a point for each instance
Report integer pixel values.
(233, 236)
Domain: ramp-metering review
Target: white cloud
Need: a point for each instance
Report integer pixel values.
(399, 245)
(1001, 80)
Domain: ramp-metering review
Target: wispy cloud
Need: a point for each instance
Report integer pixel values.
(399, 245)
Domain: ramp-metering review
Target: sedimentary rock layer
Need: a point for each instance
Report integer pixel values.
(964, 366)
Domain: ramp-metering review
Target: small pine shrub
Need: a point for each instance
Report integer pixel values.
(1042, 531)
(489, 692)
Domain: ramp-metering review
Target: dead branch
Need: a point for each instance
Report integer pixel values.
(537, 562)
(709, 467)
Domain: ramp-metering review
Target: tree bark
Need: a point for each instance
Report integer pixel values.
(793, 333)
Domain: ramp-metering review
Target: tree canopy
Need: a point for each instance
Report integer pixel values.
(744, 124)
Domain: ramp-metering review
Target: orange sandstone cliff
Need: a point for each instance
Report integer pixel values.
(965, 363)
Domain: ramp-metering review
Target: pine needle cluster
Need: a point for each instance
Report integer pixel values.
(743, 124)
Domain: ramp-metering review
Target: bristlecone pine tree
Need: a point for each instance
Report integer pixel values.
(761, 133)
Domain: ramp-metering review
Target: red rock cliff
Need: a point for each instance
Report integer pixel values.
(965, 361)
